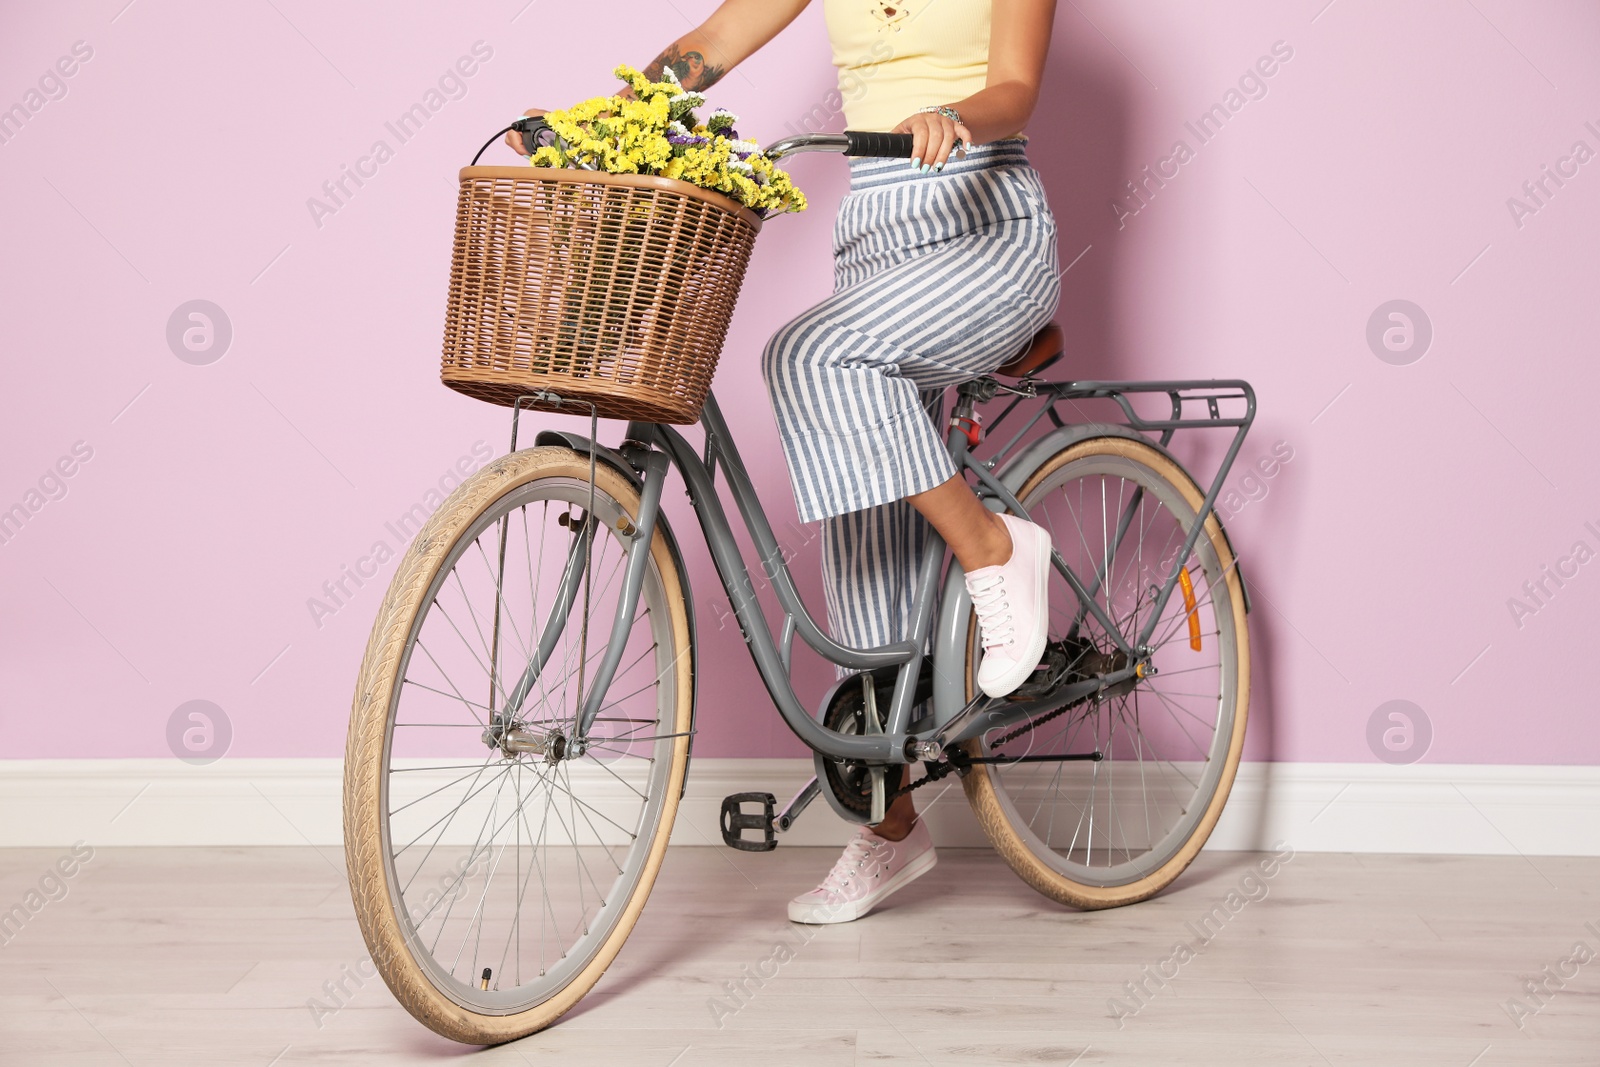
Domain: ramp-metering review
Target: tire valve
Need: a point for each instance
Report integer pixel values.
(484, 983)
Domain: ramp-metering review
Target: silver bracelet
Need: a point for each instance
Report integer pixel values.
(959, 149)
(948, 112)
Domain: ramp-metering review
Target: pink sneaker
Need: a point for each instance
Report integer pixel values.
(871, 868)
(1012, 603)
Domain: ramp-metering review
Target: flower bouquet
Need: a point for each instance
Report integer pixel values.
(657, 132)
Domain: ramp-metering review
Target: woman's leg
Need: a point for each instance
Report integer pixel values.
(935, 283)
(977, 536)
(898, 819)
(870, 562)
(869, 570)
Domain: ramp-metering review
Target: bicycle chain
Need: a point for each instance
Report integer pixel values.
(1040, 721)
(946, 767)
(936, 772)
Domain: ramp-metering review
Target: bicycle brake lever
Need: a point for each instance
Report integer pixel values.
(530, 128)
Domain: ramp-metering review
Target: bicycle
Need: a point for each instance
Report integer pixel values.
(520, 736)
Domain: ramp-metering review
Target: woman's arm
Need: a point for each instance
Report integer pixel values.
(1019, 39)
(734, 32)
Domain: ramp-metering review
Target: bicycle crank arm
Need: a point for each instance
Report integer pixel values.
(785, 819)
(735, 821)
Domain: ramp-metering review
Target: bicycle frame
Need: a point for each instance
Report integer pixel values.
(650, 448)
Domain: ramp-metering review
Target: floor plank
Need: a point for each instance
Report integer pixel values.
(211, 956)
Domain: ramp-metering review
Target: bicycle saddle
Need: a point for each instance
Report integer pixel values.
(1043, 350)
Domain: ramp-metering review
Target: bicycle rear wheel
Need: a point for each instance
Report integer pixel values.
(496, 876)
(1098, 833)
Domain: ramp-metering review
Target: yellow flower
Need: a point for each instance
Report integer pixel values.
(634, 137)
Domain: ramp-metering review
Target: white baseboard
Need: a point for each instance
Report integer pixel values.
(1316, 807)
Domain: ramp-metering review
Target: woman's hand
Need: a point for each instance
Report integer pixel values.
(933, 136)
(514, 139)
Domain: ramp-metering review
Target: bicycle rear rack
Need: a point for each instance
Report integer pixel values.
(1212, 392)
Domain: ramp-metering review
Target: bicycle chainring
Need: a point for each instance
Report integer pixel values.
(851, 780)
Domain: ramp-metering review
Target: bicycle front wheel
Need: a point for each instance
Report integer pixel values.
(1155, 756)
(498, 857)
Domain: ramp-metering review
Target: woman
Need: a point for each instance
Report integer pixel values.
(944, 268)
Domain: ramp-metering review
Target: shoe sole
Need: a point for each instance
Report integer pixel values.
(851, 910)
(1007, 684)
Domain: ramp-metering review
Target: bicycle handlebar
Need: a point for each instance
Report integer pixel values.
(888, 145)
(849, 143)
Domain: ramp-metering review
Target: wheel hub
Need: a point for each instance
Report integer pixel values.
(521, 739)
(1070, 660)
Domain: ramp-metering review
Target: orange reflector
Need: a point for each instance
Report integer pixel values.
(1188, 606)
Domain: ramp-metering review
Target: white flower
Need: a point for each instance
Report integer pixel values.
(743, 148)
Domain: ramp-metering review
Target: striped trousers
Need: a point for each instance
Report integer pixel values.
(938, 278)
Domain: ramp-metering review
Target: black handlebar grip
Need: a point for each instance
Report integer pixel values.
(888, 145)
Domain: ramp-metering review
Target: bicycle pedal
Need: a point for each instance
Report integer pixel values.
(1054, 668)
(734, 822)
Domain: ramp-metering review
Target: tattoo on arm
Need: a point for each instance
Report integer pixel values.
(691, 68)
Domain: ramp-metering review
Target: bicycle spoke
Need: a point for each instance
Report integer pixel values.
(1122, 815)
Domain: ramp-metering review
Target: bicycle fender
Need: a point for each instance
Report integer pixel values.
(614, 459)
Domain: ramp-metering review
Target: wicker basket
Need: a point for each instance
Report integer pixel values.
(610, 288)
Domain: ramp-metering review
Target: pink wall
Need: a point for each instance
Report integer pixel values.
(219, 498)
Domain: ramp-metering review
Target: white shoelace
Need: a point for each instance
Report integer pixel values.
(856, 856)
(989, 601)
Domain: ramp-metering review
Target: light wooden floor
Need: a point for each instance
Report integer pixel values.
(209, 956)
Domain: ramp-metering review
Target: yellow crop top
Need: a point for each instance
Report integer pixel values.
(896, 57)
